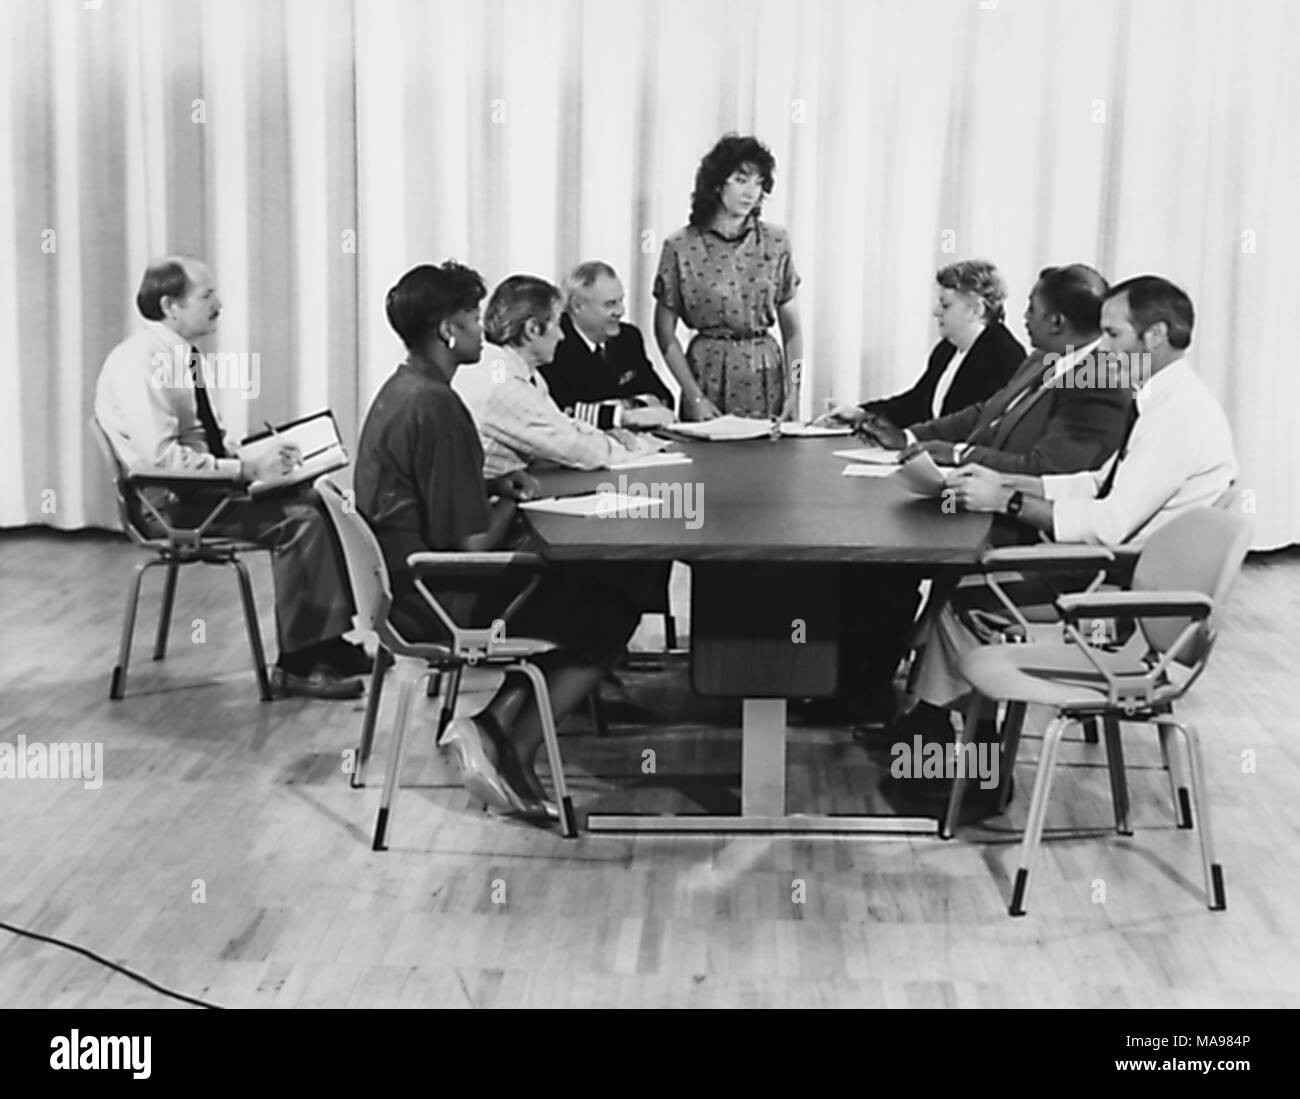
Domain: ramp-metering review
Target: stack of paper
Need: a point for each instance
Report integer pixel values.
(815, 430)
(724, 428)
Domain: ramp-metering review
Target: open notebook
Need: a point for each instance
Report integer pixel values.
(316, 437)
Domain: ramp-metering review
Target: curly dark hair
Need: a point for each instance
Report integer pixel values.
(731, 152)
(426, 296)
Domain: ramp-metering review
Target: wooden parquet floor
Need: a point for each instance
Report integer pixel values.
(225, 855)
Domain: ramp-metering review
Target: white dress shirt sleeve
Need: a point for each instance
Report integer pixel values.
(523, 418)
(151, 420)
(1180, 456)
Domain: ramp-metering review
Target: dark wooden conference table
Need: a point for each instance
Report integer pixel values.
(762, 524)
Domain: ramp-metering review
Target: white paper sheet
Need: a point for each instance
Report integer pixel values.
(870, 471)
(877, 455)
(922, 476)
(666, 458)
(596, 503)
(725, 428)
(815, 431)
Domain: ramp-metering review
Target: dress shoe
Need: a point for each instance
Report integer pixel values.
(345, 657)
(321, 682)
(477, 773)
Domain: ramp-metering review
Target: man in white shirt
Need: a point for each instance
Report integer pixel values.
(508, 397)
(152, 399)
(1177, 454)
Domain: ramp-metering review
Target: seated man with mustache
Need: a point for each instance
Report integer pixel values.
(160, 423)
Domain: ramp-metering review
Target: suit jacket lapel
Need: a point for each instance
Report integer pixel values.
(996, 408)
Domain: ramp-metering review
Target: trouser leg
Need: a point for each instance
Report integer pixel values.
(313, 601)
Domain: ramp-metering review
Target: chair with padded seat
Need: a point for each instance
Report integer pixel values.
(175, 547)
(1181, 582)
(416, 661)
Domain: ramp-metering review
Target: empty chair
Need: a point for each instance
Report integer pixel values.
(1181, 582)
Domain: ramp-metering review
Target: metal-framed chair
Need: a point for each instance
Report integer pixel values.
(1181, 582)
(415, 661)
(1027, 624)
(175, 547)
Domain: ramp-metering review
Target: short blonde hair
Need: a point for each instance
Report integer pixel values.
(980, 279)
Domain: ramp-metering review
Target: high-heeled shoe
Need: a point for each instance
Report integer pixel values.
(477, 773)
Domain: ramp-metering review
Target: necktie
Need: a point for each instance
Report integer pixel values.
(207, 418)
(600, 354)
(1109, 483)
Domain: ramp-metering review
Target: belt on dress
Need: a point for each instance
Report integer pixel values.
(731, 334)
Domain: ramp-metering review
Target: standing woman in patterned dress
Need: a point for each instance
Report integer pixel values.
(729, 276)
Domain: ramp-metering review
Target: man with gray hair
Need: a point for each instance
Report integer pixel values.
(600, 373)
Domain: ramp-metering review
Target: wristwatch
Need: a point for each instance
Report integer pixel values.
(1015, 502)
(959, 451)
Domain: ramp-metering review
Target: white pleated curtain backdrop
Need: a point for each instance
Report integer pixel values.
(312, 150)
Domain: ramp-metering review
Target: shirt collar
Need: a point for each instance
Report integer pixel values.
(583, 336)
(1157, 387)
(1072, 357)
(746, 227)
(164, 336)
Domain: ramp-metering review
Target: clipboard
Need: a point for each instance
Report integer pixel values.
(316, 435)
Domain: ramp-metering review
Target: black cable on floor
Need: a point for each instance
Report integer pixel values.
(25, 933)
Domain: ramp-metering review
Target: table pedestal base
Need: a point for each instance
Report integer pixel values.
(762, 795)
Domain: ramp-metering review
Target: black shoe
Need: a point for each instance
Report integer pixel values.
(321, 682)
(345, 657)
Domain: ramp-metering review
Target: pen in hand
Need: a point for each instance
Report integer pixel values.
(289, 453)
